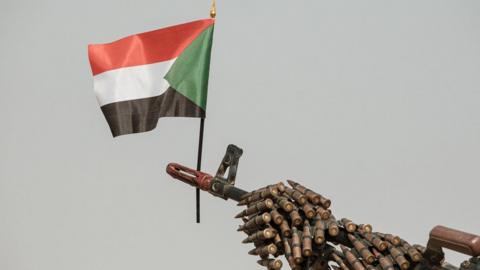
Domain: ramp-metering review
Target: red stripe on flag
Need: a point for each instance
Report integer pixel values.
(145, 48)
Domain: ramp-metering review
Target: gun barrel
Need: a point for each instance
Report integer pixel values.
(190, 176)
(204, 181)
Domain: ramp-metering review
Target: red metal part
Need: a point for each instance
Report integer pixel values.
(190, 176)
(459, 241)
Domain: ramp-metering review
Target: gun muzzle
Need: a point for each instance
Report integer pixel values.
(192, 177)
(216, 186)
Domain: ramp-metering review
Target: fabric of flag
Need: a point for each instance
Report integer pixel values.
(160, 73)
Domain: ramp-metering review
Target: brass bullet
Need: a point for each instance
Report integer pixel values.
(295, 217)
(395, 240)
(352, 259)
(412, 252)
(386, 263)
(285, 229)
(271, 189)
(256, 208)
(324, 213)
(349, 225)
(296, 195)
(265, 234)
(271, 264)
(256, 222)
(365, 228)
(288, 255)
(308, 210)
(258, 195)
(399, 258)
(296, 246)
(361, 249)
(376, 241)
(332, 226)
(284, 203)
(420, 248)
(281, 187)
(339, 261)
(277, 240)
(307, 239)
(276, 217)
(264, 250)
(325, 202)
(319, 231)
(312, 196)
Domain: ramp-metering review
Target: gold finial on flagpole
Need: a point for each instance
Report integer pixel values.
(213, 10)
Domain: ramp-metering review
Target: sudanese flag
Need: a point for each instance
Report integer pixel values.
(160, 73)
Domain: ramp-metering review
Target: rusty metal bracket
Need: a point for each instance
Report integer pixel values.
(443, 237)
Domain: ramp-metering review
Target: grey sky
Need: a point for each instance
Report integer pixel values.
(375, 104)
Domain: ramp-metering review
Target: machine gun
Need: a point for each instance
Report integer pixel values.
(296, 222)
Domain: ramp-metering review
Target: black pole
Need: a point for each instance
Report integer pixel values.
(199, 164)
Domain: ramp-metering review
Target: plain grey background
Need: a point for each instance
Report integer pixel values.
(375, 104)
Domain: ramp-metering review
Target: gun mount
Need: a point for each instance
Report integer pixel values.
(296, 222)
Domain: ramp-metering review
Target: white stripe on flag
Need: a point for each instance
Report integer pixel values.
(131, 82)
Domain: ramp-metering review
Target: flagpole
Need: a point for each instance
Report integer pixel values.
(213, 13)
(199, 164)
